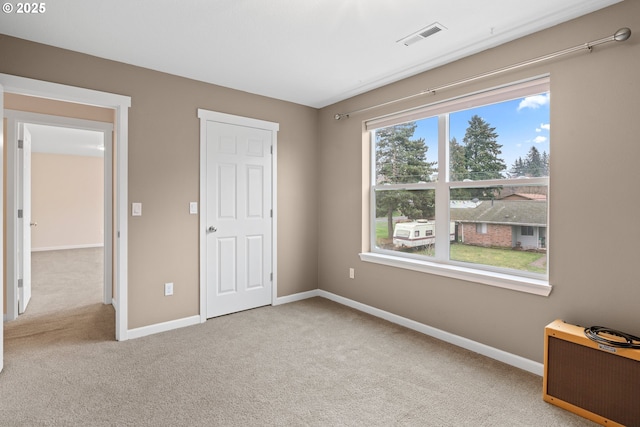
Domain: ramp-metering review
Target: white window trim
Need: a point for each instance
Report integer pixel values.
(491, 278)
(440, 264)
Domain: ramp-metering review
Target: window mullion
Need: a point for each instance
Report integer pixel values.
(417, 186)
(442, 191)
(372, 193)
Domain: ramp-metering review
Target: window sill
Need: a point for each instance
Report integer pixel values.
(507, 281)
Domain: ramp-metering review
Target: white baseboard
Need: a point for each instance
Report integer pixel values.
(162, 327)
(476, 347)
(61, 248)
(297, 297)
(483, 349)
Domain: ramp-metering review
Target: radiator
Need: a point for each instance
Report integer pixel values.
(596, 381)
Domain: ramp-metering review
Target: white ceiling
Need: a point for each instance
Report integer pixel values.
(311, 52)
(63, 140)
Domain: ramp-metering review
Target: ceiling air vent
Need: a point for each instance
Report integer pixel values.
(422, 34)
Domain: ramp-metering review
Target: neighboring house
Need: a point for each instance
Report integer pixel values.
(509, 223)
(525, 196)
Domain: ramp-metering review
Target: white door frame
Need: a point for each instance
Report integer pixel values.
(14, 118)
(23, 228)
(121, 105)
(2, 142)
(204, 116)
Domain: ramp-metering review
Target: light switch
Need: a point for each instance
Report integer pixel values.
(168, 289)
(193, 208)
(136, 209)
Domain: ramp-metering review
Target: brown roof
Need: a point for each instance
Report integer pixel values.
(514, 212)
(525, 196)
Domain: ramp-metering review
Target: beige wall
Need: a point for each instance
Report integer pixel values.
(67, 201)
(52, 107)
(163, 172)
(595, 128)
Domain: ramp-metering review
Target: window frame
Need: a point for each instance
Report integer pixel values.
(527, 230)
(440, 264)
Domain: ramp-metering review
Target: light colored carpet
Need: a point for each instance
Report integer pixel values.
(309, 363)
(65, 279)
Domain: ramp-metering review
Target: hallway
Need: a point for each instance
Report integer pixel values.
(66, 303)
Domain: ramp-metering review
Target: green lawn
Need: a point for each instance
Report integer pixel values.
(506, 258)
(381, 230)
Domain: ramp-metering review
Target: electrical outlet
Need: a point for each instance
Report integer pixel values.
(352, 273)
(168, 289)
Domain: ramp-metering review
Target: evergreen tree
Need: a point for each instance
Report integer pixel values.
(458, 165)
(477, 159)
(518, 168)
(535, 167)
(400, 160)
(545, 164)
(482, 151)
(458, 169)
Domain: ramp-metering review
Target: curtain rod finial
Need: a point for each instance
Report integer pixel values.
(622, 34)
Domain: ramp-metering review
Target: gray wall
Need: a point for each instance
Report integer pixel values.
(595, 147)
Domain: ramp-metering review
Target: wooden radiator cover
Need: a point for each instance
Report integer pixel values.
(600, 383)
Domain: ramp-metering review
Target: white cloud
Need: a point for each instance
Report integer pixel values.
(540, 139)
(543, 126)
(534, 102)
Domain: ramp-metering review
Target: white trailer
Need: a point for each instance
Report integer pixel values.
(419, 233)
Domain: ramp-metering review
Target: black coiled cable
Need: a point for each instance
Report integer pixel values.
(630, 341)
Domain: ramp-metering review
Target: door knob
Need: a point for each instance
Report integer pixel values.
(212, 229)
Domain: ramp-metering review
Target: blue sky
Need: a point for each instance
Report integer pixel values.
(520, 124)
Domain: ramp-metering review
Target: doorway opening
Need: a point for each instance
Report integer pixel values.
(118, 107)
(59, 197)
(67, 219)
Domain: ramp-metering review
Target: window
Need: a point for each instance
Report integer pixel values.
(472, 174)
(481, 228)
(526, 230)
